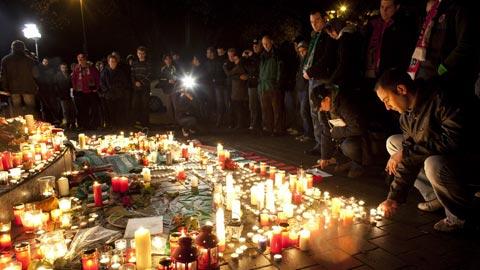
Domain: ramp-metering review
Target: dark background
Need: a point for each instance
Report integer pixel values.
(187, 26)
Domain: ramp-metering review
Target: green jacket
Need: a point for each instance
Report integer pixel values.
(270, 72)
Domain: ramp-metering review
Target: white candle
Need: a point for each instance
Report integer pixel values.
(63, 186)
(143, 249)
(226, 153)
(304, 242)
(194, 182)
(65, 204)
(219, 149)
(220, 226)
(236, 209)
(82, 140)
(288, 210)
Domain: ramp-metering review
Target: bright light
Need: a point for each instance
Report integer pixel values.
(188, 82)
(343, 8)
(31, 31)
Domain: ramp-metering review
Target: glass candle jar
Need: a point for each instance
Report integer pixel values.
(22, 254)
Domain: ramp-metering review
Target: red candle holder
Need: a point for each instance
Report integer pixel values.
(276, 241)
(18, 211)
(97, 194)
(22, 254)
(297, 198)
(90, 259)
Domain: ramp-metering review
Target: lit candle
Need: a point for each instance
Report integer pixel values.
(5, 240)
(30, 122)
(13, 266)
(348, 216)
(220, 228)
(65, 204)
(158, 244)
(276, 241)
(63, 186)
(288, 210)
(304, 242)
(65, 221)
(335, 206)
(147, 176)
(97, 194)
(143, 249)
(18, 211)
(263, 168)
(272, 172)
(226, 153)
(90, 260)
(264, 219)
(82, 141)
(55, 215)
(293, 238)
(219, 149)
(22, 254)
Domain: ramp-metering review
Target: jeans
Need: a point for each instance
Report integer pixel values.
(221, 97)
(394, 144)
(272, 111)
(239, 109)
(88, 106)
(140, 106)
(115, 109)
(292, 114)
(317, 126)
(68, 111)
(305, 113)
(254, 106)
(352, 149)
(28, 99)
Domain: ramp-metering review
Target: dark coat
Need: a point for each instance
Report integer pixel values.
(435, 126)
(115, 83)
(300, 83)
(62, 85)
(324, 57)
(17, 74)
(270, 71)
(344, 107)
(239, 86)
(141, 72)
(398, 42)
(215, 73)
(252, 66)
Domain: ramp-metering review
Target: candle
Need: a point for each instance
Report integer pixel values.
(288, 210)
(82, 141)
(5, 227)
(90, 260)
(65, 204)
(262, 243)
(209, 170)
(264, 219)
(5, 240)
(63, 186)
(263, 168)
(158, 244)
(143, 249)
(348, 216)
(32, 220)
(293, 238)
(147, 176)
(304, 242)
(297, 198)
(277, 257)
(219, 149)
(272, 172)
(55, 215)
(13, 266)
(22, 254)
(335, 206)
(97, 194)
(226, 153)
(276, 241)
(121, 244)
(220, 228)
(30, 122)
(65, 221)
(236, 209)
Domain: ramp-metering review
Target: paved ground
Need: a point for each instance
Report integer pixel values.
(405, 242)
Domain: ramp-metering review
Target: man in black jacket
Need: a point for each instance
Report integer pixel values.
(318, 67)
(343, 128)
(141, 72)
(217, 80)
(17, 75)
(63, 87)
(252, 65)
(437, 135)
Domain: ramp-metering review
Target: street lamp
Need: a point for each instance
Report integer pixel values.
(83, 29)
(31, 32)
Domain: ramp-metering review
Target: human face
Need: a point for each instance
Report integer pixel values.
(267, 43)
(302, 52)
(387, 9)
(317, 22)
(45, 62)
(210, 54)
(82, 59)
(236, 59)
(141, 55)
(257, 48)
(326, 104)
(220, 51)
(397, 101)
(112, 62)
(230, 56)
(195, 61)
(168, 61)
(63, 68)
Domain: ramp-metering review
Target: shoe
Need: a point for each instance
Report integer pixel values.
(355, 171)
(430, 206)
(448, 226)
(344, 167)
(313, 152)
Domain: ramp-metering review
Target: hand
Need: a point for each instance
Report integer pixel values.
(389, 207)
(323, 163)
(243, 77)
(392, 163)
(138, 84)
(171, 81)
(305, 76)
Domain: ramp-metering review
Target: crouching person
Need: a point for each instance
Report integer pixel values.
(437, 136)
(185, 112)
(343, 129)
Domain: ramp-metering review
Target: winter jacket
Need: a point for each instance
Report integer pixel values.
(141, 72)
(344, 107)
(324, 56)
(115, 83)
(300, 83)
(396, 46)
(252, 66)
(62, 85)
(269, 71)
(17, 74)
(168, 73)
(434, 126)
(215, 71)
(85, 79)
(239, 86)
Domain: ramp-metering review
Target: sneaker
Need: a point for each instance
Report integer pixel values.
(355, 171)
(446, 225)
(430, 206)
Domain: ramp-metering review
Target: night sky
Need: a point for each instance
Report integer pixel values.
(161, 25)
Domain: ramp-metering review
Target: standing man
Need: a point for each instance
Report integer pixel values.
(252, 64)
(439, 136)
(268, 87)
(168, 80)
(318, 67)
(86, 84)
(217, 80)
(141, 77)
(63, 87)
(17, 70)
(50, 106)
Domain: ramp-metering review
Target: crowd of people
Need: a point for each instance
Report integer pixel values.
(318, 89)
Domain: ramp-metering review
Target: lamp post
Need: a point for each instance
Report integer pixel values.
(83, 29)
(31, 32)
